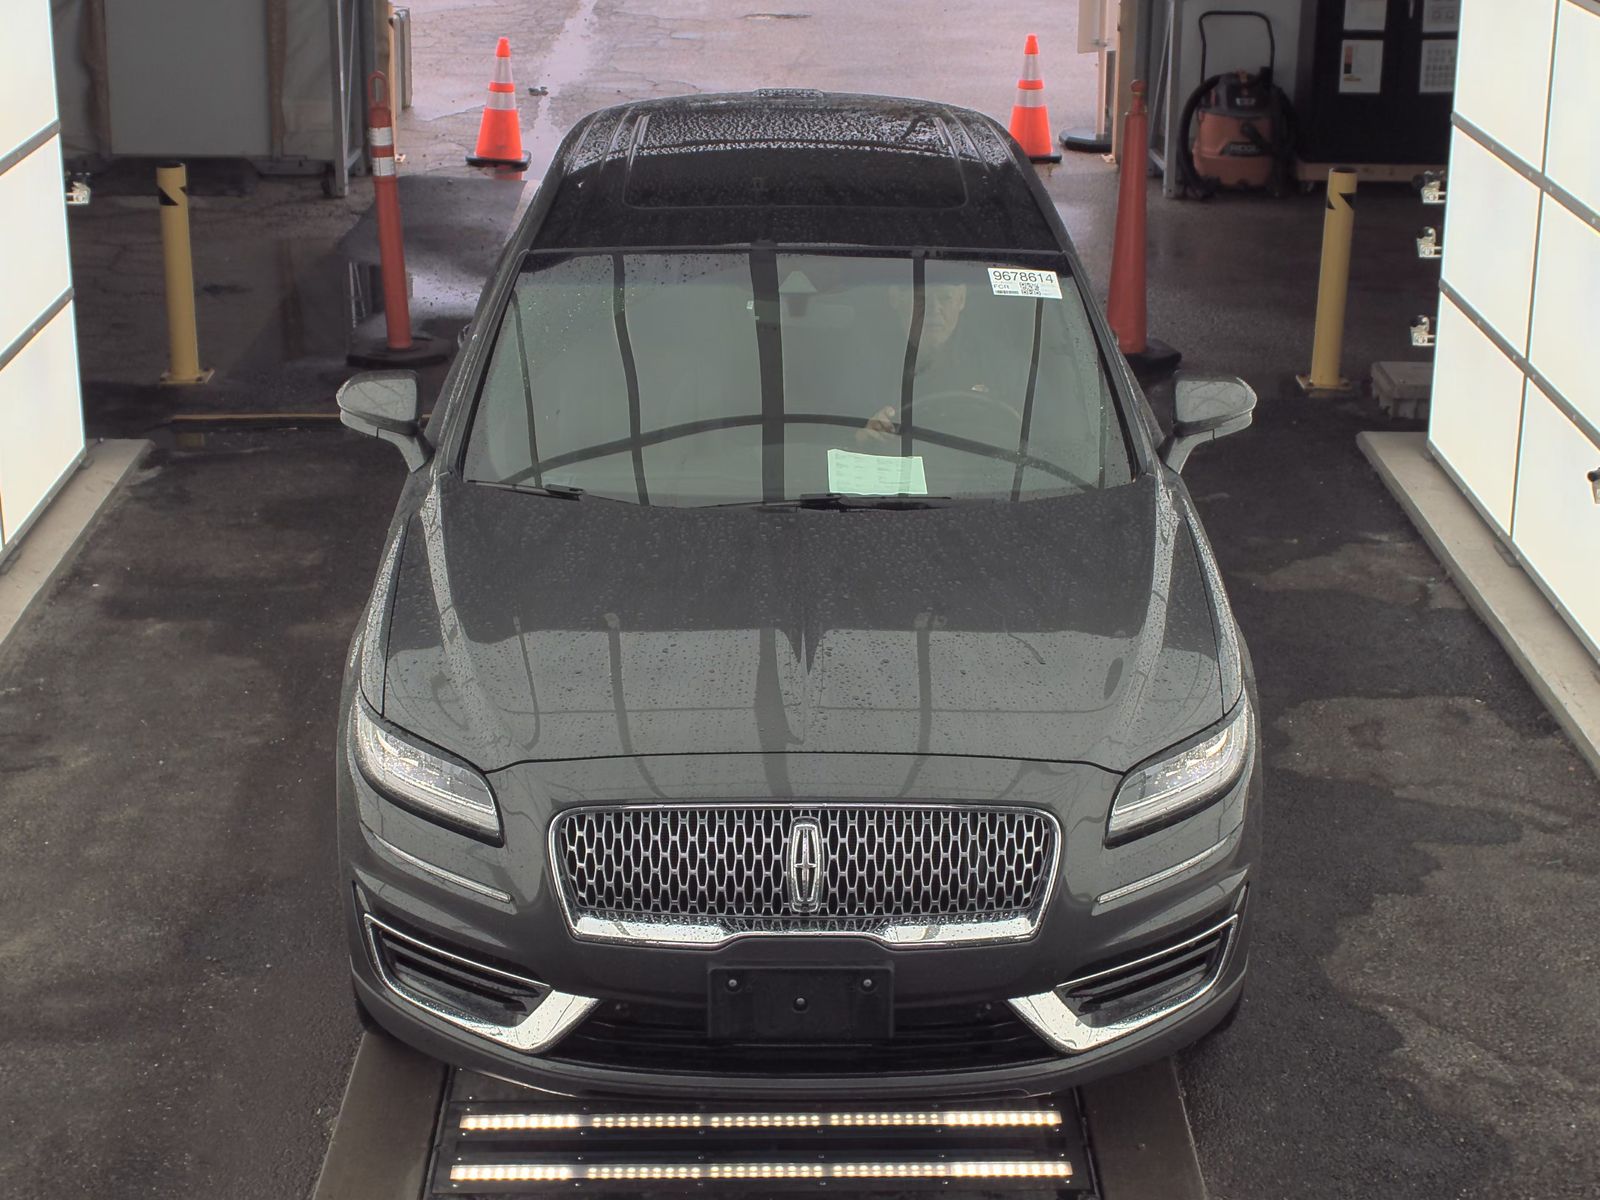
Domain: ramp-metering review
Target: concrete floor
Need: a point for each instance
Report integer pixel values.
(1421, 1019)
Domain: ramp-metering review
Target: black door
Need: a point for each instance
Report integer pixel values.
(1381, 79)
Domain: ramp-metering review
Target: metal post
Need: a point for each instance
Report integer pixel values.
(1094, 37)
(177, 257)
(1128, 62)
(393, 83)
(338, 180)
(1333, 285)
(401, 22)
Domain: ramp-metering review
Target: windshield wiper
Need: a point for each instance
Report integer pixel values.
(847, 501)
(560, 491)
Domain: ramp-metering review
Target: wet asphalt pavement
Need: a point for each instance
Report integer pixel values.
(1422, 1020)
(172, 973)
(1421, 1017)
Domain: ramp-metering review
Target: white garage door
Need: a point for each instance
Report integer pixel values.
(1516, 402)
(41, 424)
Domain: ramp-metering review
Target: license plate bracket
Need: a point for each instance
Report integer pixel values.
(800, 1004)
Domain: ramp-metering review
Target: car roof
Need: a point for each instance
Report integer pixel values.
(793, 167)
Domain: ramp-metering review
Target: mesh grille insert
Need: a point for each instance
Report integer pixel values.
(881, 863)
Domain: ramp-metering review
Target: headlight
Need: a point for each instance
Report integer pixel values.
(1182, 781)
(422, 779)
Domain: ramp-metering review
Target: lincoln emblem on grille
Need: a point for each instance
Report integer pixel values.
(806, 865)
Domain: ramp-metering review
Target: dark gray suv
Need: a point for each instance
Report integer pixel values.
(796, 667)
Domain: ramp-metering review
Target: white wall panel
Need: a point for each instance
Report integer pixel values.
(41, 421)
(1502, 68)
(1528, 81)
(1489, 230)
(1475, 429)
(1558, 522)
(41, 426)
(33, 240)
(27, 71)
(1566, 312)
(1573, 159)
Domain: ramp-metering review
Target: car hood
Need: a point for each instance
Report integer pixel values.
(529, 628)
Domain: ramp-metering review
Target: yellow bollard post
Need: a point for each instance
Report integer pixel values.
(183, 342)
(1333, 285)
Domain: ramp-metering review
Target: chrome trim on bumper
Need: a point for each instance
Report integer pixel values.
(1053, 1019)
(1171, 872)
(551, 1019)
(710, 934)
(439, 873)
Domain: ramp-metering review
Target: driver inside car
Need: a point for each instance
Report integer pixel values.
(947, 362)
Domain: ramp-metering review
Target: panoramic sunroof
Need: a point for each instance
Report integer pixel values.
(792, 157)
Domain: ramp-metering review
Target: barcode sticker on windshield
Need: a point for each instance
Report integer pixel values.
(1015, 281)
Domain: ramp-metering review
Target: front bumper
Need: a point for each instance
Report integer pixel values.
(1154, 1040)
(1070, 1047)
(1192, 881)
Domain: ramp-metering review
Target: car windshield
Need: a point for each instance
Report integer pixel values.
(761, 376)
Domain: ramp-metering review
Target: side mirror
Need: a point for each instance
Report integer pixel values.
(385, 405)
(1206, 407)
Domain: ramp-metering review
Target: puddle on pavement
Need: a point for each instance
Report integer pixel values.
(277, 314)
(297, 303)
(277, 318)
(275, 305)
(314, 298)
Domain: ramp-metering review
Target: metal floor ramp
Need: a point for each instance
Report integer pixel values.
(492, 1141)
(412, 1129)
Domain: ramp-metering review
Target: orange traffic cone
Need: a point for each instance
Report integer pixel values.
(1030, 120)
(500, 133)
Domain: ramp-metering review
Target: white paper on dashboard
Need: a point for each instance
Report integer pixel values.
(875, 474)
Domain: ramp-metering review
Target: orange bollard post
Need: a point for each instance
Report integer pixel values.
(1126, 309)
(386, 196)
(400, 347)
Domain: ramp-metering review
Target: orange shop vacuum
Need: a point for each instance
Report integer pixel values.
(1237, 129)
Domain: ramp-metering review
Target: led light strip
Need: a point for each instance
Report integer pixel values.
(582, 1172)
(957, 1118)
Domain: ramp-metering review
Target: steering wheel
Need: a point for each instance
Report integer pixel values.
(947, 398)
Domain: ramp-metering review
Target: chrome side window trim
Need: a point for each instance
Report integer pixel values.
(551, 1019)
(439, 873)
(1055, 1020)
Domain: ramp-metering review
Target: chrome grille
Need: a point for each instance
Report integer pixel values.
(904, 873)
